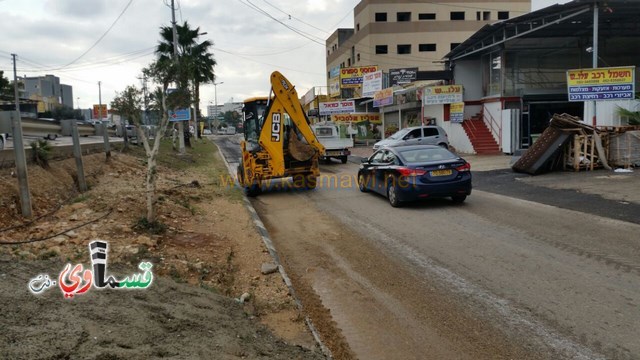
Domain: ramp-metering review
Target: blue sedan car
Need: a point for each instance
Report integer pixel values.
(410, 173)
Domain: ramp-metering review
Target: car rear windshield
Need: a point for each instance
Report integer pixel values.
(398, 135)
(427, 155)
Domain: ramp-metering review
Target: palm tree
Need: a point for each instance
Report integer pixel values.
(195, 61)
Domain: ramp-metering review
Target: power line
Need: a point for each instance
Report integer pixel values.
(103, 35)
(295, 18)
(264, 63)
(256, 8)
(114, 60)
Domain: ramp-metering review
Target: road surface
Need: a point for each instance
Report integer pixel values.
(497, 277)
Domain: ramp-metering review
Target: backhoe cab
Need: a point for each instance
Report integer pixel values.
(278, 141)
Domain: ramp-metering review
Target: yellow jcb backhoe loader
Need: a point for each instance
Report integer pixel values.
(278, 140)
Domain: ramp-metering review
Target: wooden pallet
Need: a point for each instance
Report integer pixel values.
(582, 152)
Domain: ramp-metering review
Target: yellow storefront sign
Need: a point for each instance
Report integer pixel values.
(600, 76)
(373, 118)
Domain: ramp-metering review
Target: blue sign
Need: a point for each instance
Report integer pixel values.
(602, 92)
(180, 115)
(601, 84)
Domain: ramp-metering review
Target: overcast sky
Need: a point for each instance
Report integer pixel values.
(51, 36)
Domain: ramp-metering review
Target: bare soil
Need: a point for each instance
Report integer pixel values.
(209, 255)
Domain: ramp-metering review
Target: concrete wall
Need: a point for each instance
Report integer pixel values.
(607, 112)
(457, 136)
(468, 74)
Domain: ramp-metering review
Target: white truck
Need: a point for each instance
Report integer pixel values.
(328, 134)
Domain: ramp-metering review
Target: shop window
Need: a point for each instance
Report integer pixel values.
(427, 16)
(403, 16)
(457, 15)
(381, 17)
(382, 49)
(483, 15)
(404, 49)
(503, 15)
(426, 47)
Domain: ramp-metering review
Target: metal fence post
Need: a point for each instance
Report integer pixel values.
(105, 135)
(77, 153)
(21, 165)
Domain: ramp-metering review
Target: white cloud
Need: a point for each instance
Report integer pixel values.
(248, 45)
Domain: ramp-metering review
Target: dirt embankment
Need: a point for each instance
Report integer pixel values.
(208, 256)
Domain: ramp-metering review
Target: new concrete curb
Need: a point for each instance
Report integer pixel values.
(266, 239)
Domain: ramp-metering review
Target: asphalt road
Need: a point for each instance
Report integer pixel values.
(511, 273)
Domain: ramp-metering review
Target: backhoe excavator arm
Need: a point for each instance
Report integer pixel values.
(285, 100)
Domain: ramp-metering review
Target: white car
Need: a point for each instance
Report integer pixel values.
(418, 135)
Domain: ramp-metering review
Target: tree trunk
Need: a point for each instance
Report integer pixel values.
(196, 91)
(151, 187)
(152, 154)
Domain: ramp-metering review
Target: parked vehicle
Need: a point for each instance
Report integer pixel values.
(206, 132)
(131, 131)
(3, 140)
(418, 135)
(328, 134)
(409, 173)
(230, 130)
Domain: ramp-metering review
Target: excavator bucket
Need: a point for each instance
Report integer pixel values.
(298, 149)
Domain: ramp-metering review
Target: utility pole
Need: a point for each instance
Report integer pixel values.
(18, 150)
(175, 58)
(596, 22)
(105, 134)
(215, 92)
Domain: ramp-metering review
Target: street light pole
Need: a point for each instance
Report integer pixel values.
(215, 93)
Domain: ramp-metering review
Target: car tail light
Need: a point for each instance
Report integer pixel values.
(464, 168)
(411, 172)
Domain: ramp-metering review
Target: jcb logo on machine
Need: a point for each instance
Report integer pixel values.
(275, 127)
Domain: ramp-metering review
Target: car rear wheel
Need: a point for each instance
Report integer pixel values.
(459, 199)
(343, 159)
(362, 184)
(392, 193)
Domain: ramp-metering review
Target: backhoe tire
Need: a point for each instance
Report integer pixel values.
(310, 181)
(253, 190)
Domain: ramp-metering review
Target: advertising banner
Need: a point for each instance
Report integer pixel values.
(309, 96)
(96, 111)
(334, 87)
(383, 97)
(403, 76)
(614, 83)
(337, 107)
(456, 112)
(371, 83)
(334, 72)
(447, 94)
(351, 77)
(359, 117)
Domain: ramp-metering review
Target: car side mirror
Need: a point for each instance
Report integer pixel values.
(364, 160)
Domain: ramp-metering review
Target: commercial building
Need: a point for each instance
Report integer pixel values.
(515, 72)
(411, 34)
(48, 91)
